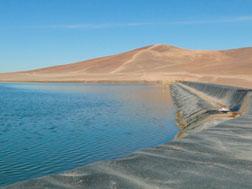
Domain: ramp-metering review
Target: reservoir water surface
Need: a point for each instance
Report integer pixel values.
(49, 128)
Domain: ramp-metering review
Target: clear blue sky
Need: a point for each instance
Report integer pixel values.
(39, 33)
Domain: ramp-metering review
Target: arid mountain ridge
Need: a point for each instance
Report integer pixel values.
(155, 63)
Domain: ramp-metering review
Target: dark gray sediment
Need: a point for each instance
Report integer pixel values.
(213, 150)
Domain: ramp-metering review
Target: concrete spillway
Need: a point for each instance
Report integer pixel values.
(213, 149)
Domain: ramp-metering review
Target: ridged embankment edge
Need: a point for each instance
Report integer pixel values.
(199, 105)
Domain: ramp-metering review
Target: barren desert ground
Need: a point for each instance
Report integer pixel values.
(155, 63)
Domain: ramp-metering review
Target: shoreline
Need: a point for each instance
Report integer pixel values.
(166, 82)
(206, 149)
(99, 82)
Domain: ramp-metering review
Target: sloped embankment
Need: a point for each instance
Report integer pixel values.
(214, 152)
(200, 105)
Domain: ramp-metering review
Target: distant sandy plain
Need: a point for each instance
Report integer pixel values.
(155, 63)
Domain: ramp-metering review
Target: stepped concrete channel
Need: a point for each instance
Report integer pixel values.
(213, 149)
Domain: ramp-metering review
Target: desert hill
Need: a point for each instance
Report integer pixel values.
(152, 63)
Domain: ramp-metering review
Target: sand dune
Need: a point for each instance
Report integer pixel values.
(152, 63)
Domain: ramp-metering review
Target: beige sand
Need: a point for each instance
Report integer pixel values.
(156, 63)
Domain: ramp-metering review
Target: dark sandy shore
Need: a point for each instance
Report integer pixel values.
(213, 149)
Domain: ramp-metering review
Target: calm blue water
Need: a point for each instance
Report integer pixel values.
(49, 128)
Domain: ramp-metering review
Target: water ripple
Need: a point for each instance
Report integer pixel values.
(49, 128)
